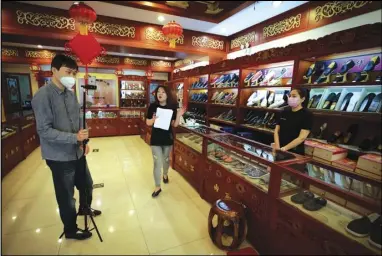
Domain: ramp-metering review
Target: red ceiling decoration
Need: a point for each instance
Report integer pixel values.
(83, 14)
(172, 31)
(84, 45)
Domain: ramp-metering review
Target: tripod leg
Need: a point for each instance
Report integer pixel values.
(96, 228)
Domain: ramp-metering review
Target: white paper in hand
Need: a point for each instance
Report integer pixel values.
(163, 120)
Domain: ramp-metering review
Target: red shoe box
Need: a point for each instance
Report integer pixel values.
(329, 153)
(309, 146)
(346, 164)
(371, 163)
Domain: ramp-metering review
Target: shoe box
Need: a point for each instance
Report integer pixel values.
(346, 164)
(370, 166)
(309, 146)
(327, 153)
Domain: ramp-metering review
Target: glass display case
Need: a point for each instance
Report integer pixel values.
(247, 159)
(338, 199)
(192, 136)
(8, 131)
(100, 114)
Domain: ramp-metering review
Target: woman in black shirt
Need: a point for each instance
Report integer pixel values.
(162, 140)
(294, 123)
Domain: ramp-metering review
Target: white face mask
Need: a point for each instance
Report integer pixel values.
(68, 82)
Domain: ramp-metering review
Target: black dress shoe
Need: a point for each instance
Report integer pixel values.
(165, 180)
(155, 194)
(78, 235)
(93, 212)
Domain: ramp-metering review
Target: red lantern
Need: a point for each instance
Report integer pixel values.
(83, 14)
(173, 31)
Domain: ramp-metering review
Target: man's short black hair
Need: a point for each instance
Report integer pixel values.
(61, 60)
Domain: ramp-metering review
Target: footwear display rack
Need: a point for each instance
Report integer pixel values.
(345, 86)
(295, 201)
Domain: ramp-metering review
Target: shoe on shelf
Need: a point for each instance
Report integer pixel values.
(256, 78)
(82, 211)
(375, 233)
(248, 78)
(362, 227)
(271, 74)
(78, 235)
(340, 77)
(325, 75)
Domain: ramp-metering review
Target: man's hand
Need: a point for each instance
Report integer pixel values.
(82, 135)
(87, 149)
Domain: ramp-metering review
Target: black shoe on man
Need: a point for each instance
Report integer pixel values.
(78, 235)
(94, 212)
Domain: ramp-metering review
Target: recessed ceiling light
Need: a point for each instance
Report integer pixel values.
(276, 3)
(39, 46)
(223, 30)
(161, 18)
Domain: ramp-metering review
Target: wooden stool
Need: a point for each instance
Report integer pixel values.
(231, 222)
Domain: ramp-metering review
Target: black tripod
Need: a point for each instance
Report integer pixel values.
(87, 210)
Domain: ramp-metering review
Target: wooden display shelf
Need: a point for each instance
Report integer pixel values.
(223, 88)
(374, 117)
(258, 129)
(125, 108)
(222, 105)
(262, 109)
(349, 84)
(266, 86)
(198, 89)
(222, 121)
(194, 102)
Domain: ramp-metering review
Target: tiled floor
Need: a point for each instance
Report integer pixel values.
(132, 222)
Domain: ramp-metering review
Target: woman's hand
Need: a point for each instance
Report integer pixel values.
(181, 111)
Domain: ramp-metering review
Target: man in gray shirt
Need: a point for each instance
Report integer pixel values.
(59, 125)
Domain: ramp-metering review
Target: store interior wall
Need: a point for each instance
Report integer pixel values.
(369, 18)
(20, 68)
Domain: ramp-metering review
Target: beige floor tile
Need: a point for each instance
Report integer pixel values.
(132, 221)
(198, 247)
(117, 242)
(30, 214)
(42, 241)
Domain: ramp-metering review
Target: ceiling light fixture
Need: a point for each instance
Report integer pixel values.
(166, 58)
(130, 54)
(223, 30)
(161, 18)
(39, 46)
(276, 3)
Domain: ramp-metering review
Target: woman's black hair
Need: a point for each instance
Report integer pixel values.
(170, 95)
(304, 93)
